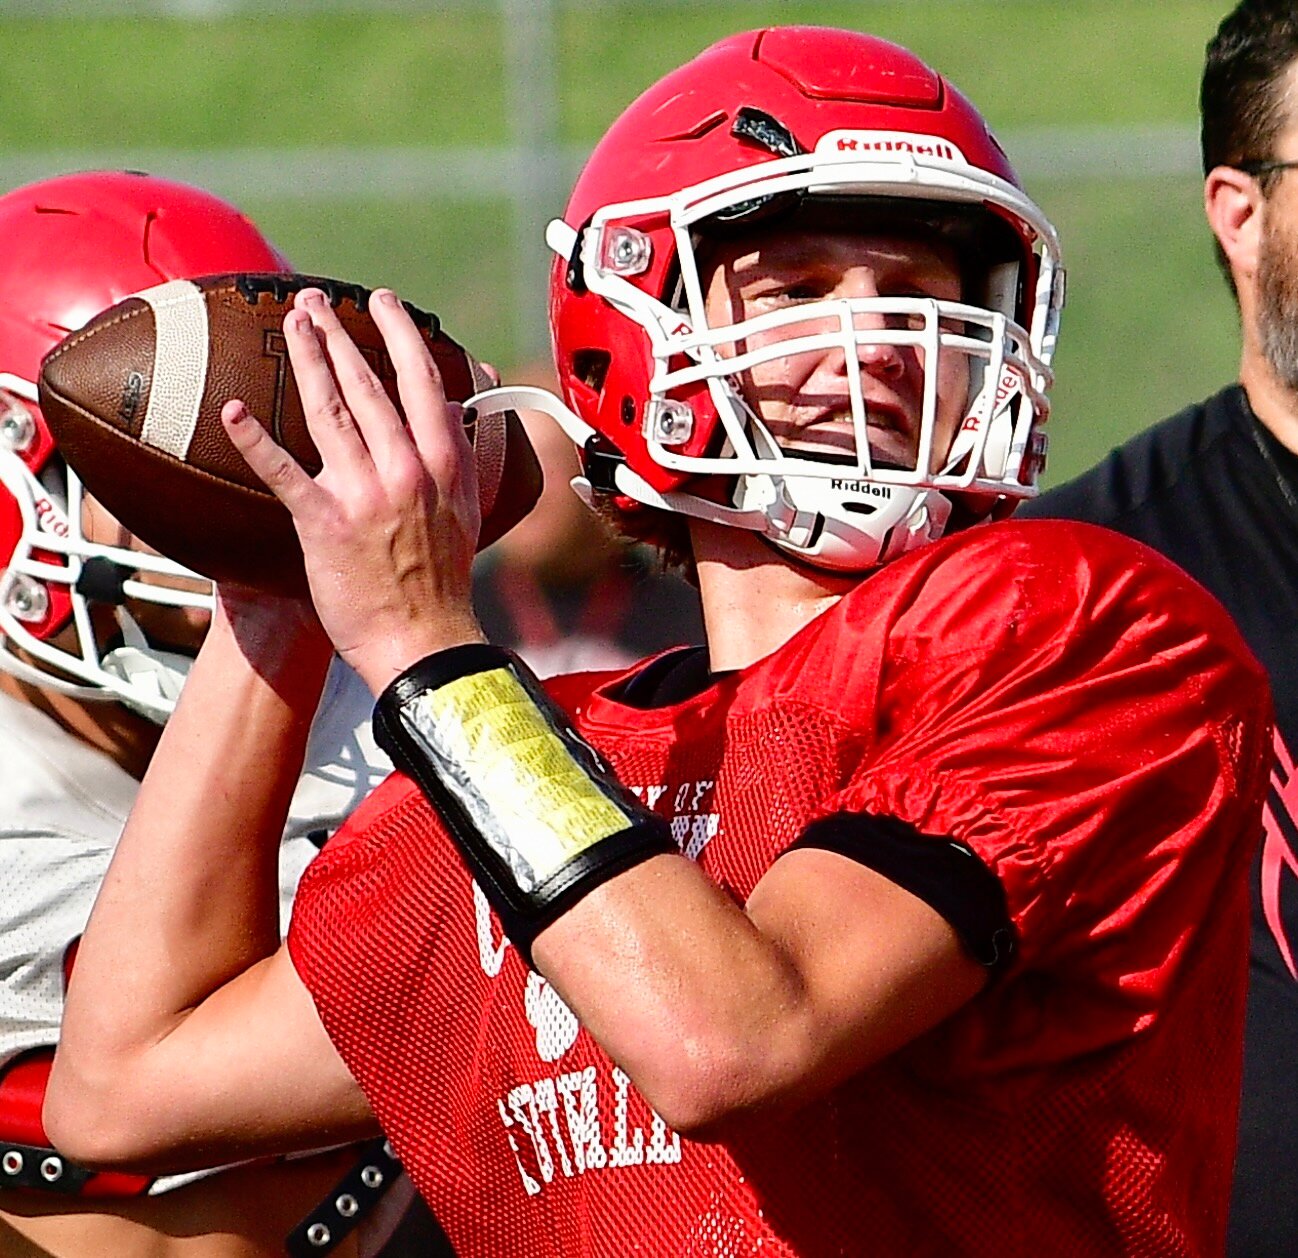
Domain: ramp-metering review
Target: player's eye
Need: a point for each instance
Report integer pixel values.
(905, 321)
(787, 294)
(803, 292)
(915, 321)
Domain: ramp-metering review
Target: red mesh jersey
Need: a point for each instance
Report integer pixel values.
(1062, 700)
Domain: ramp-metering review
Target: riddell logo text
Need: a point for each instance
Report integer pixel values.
(51, 518)
(944, 152)
(847, 145)
(863, 487)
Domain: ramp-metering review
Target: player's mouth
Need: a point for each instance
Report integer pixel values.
(831, 437)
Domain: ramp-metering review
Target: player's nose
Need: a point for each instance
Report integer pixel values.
(876, 356)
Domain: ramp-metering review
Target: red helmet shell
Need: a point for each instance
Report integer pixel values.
(76, 244)
(813, 81)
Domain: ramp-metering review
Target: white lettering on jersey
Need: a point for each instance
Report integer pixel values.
(520, 1106)
(555, 1024)
(558, 1125)
(581, 1111)
(560, 1118)
(693, 834)
(628, 1145)
(649, 795)
(694, 823)
(530, 1186)
(491, 955)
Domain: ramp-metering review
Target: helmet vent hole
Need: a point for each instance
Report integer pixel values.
(628, 410)
(590, 366)
(860, 508)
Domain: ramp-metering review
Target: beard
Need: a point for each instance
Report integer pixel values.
(1277, 278)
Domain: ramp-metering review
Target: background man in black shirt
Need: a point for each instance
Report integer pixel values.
(1216, 489)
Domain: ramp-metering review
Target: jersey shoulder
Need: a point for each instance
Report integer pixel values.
(998, 600)
(1023, 576)
(1061, 600)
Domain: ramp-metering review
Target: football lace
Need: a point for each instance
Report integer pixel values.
(280, 287)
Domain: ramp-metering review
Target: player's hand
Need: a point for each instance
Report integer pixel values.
(389, 527)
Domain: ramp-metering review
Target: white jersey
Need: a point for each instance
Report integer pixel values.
(62, 807)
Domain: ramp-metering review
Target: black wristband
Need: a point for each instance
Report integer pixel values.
(537, 815)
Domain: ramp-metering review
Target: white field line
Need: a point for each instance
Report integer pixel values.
(394, 173)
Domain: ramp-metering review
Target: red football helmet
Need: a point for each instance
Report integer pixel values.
(75, 245)
(762, 128)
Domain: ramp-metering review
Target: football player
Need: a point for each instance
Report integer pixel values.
(95, 637)
(1215, 488)
(907, 916)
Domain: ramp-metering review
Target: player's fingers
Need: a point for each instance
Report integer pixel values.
(287, 479)
(362, 391)
(434, 423)
(328, 418)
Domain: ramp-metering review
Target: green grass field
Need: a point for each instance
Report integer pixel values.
(1149, 326)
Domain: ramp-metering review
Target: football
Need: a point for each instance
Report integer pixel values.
(134, 399)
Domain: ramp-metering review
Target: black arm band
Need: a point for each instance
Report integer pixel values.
(948, 876)
(538, 817)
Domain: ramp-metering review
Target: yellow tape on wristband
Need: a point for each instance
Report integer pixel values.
(497, 752)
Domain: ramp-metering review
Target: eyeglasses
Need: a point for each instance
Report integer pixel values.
(1261, 167)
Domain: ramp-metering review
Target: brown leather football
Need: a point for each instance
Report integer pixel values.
(134, 402)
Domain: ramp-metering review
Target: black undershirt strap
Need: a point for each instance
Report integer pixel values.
(672, 678)
(948, 876)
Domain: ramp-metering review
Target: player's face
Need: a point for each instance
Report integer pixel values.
(172, 628)
(803, 398)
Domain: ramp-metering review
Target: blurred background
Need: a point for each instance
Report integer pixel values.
(424, 145)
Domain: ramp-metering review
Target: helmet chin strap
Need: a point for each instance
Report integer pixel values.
(796, 524)
(784, 510)
(815, 520)
(528, 397)
(153, 677)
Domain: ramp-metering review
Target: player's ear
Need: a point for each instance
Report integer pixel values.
(1233, 202)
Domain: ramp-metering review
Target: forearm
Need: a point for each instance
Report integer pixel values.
(719, 1011)
(190, 899)
(709, 1014)
(713, 1009)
